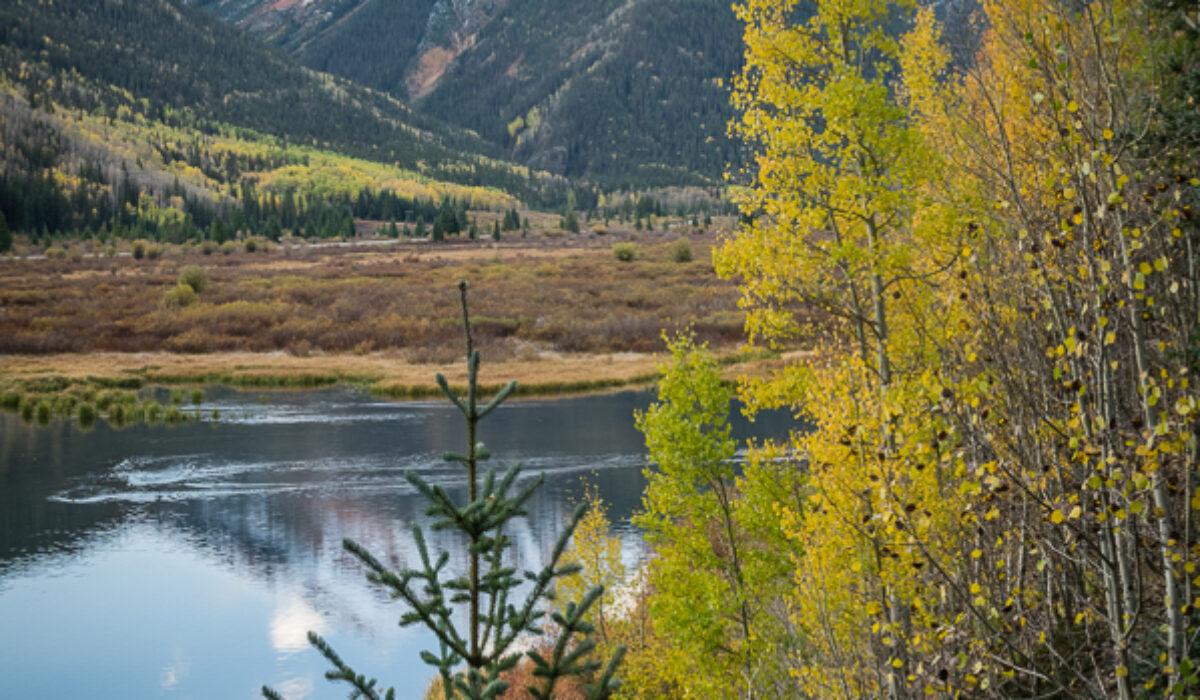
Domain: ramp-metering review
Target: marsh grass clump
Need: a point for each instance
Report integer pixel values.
(86, 415)
(63, 404)
(10, 400)
(43, 413)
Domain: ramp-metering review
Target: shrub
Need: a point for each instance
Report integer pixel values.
(55, 253)
(152, 252)
(227, 247)
(250, 245)
(195, 277)
(182, 295)
(139, 250)
(681, 251)
(625, 252)
(208, 247)
(110, 251)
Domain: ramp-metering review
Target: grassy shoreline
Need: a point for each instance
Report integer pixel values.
(111, 386)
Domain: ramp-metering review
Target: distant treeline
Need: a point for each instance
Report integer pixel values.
(37, 205)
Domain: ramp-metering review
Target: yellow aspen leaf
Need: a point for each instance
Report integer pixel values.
(1057, 517)
(1075, 512)
(1107, 134)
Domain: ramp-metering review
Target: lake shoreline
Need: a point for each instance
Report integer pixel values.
(384, 374)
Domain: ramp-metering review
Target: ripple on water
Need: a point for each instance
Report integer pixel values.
(177, 478)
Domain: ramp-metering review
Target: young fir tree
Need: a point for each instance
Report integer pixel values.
(471, 661)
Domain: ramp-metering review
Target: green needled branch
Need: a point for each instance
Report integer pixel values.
(472, 661)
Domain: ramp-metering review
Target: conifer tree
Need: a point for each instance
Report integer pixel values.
(487, 647)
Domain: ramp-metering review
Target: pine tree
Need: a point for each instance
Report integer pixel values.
(494, 624)
(5, 235)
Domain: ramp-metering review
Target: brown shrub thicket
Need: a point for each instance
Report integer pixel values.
(347, 300)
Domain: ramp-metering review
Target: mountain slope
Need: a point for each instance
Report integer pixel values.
(621, 92)
(173, 63)
(625, 92)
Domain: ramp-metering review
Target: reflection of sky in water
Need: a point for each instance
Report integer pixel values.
(192, 562)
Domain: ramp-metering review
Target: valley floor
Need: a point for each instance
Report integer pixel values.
(559, 313)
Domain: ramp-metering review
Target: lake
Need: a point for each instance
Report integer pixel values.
(190, 561)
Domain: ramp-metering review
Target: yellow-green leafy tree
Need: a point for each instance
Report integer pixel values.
(1087, 311)
(715, 622)
(1003, 461)
(846, 233)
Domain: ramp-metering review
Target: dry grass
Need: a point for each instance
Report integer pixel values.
(558, 295)
(557, 314)
(385, 374)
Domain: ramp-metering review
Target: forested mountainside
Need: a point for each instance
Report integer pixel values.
(624, 92)
(621, 92)
(169, 62)
(154, 119)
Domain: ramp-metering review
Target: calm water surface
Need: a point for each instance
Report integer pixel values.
(190, 562)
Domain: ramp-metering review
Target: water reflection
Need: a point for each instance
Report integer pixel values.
(192, 561)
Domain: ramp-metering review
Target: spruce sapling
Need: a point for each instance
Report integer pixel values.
(471, 663)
